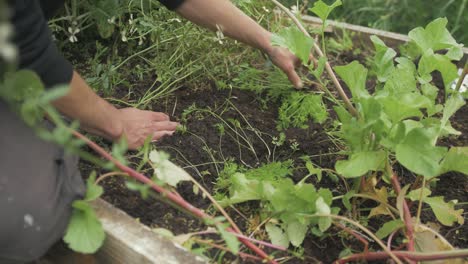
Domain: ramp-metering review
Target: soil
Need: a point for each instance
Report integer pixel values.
(202, 150)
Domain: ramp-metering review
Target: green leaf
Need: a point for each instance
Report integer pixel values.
(346, 199)
(296, 232)
(277, 235)
(431, 62)
(456, 160)
(323, 10)
(383, 59)
(143, 189)
(231, 240)
(354, 75)
(389, 228)
(167, 171)
(299, 108)
(360, 163)
(84, 232)
(445, 212)
(93, 191)
(323, 208)
(436, 37)
(453, 104)
(414, 195)
(295, 41)
(418, 154)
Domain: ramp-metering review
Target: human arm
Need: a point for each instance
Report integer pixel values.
(222, 14)
(38, 53)
(99, 117)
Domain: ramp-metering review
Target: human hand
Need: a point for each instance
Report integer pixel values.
(287, 62)
(138, 125)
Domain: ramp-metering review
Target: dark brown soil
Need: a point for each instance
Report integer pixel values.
(202, 150)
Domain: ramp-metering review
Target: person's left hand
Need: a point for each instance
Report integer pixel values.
(287, 62)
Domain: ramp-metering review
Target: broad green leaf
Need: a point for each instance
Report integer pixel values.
(456, 160)
(242, 190)
(231, 240)
(355, 76)
(431, 62)
(84, 232)
(453, 104)
(295, 41)
(445, 212)
(360, 163)
(323, 10)
(167, 171)
(93, 191)
(389, 228)
(383, 59)
(418, 154)
(397, 110)
(296, 232)
(323, 208)
(436, 37)
(400, 81)
(414, 195)
(317, 72)
(277, 235)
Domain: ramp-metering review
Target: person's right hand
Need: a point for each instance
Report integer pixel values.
(138, 125)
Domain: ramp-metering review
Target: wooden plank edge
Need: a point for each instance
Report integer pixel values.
(314, 21)
(130, 242)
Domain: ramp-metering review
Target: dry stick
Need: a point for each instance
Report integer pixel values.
(328, 67)
(413, 256)
(170, 195)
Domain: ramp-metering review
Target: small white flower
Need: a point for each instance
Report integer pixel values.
(124, 36)
(130, 21)
(266, 9)
(294, 9)
(174, 19)
(73, 39)
(219, 34)
(111, 20)
(8, 51)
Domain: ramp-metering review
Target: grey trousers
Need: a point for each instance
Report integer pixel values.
(38, 183)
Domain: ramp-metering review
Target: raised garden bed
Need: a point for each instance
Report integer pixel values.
(203, 151)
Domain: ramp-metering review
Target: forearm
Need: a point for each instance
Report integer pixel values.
(232, 21)
(94, 114)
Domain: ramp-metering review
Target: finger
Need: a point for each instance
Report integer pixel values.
(158, 116)
(293, 77)
(165, 126)
(160, 134)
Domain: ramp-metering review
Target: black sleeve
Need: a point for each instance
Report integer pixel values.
(171, 4)
(33, 38)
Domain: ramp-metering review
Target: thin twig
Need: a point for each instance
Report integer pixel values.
(328, 67)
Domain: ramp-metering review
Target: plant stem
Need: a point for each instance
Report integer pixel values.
(168, 194)
(328, 67)
(462, 77)
(413, 256)
(363, 228)
(407, 214)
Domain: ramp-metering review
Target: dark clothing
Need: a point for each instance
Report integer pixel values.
(38, 182)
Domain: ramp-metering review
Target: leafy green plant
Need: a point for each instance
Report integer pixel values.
(402, 122)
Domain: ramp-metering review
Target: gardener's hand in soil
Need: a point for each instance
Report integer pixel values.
(99, 117)
(223, 15)
(138, 125)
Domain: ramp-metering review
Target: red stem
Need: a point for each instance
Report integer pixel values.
(406, 213)
(170, 195)
(372, 256)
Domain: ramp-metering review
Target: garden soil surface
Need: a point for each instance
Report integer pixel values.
(202, 151)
